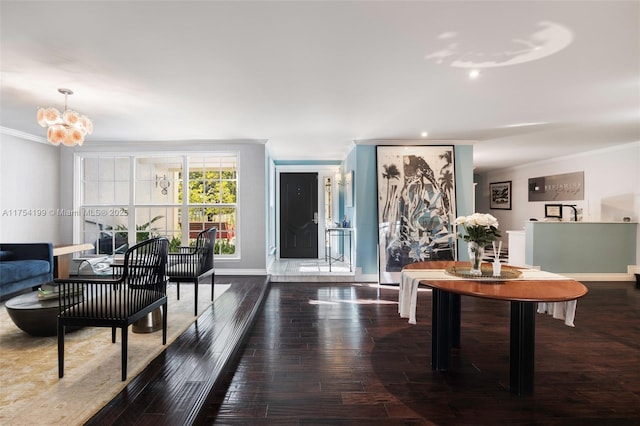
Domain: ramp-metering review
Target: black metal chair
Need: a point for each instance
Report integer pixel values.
(192, 264)
(117, 302)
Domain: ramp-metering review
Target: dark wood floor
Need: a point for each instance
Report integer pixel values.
(339, 354)
(174, 387)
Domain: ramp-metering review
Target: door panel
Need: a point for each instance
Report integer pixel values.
(299, 215)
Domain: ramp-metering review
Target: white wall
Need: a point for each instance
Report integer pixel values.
(611, 187)
(29, 191)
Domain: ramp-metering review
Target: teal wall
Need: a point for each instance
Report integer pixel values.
(363, 215)
(463, 156)
(365, 199)
(362, 159)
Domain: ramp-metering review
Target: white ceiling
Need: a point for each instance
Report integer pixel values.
(310, 78)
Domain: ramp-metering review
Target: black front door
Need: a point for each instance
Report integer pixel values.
(299, 215)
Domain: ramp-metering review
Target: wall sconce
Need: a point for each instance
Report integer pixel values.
(343, 180)
(163, 183)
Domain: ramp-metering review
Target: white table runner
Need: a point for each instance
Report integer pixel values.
(410, 279)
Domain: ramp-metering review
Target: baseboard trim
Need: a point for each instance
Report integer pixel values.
(226, 271)
(311, 278)
(366, 278)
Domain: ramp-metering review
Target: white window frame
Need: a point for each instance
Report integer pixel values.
(78, 204)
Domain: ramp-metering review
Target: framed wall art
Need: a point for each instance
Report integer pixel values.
(500, 195)
(416, 207)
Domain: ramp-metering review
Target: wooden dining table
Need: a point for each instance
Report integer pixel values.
(523, 295)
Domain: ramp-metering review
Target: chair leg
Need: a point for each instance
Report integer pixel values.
(195, 309)
(125, 338)
(113, 334)
(164, 324)
(178, 291)
(212, 280)
(60, 349)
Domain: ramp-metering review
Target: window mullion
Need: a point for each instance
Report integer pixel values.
(131, 218)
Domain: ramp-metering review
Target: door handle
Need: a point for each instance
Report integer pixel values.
(315, 218)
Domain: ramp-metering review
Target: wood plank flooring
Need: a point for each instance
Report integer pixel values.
(339, 354)
(174, 387)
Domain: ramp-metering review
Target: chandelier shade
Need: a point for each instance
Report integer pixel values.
(68, 128)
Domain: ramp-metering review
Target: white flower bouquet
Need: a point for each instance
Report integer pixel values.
(481, 228)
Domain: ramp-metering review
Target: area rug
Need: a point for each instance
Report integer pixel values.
(30, 391)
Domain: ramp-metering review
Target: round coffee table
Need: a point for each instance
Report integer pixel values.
(38, 317)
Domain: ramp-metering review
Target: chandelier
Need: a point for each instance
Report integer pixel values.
(68, 127)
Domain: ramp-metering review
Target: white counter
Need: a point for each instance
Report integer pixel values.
(580, 247)
(517, 248)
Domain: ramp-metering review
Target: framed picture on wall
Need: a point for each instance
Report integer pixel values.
(416, 207)
(500, 193)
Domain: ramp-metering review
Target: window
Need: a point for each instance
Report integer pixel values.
(105, 193)
(212, 189)
(176, 196)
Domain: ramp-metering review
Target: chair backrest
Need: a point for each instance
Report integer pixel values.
(143, 282)
(145, 264)
(205, 244)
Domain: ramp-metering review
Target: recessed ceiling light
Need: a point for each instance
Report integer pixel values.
(424, 134)
(473, 74)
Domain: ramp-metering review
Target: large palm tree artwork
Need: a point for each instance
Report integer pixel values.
(416, 199)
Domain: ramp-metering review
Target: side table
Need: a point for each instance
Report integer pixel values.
(343, 234)
(61, 255)
(35, 316)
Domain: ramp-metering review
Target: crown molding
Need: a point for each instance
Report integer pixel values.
(414, 141)
(23, 135)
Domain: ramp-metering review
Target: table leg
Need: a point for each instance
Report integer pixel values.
(522, 347)
(350, 257)
(149, 323)
(61, 266)
(325, 244)
(455, 320)
(330, 258)
(441, 330)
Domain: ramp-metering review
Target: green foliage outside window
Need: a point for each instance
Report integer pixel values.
(213, 188)
(174, 244)
(224, 247)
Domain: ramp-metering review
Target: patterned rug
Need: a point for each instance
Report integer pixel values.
(30, 391)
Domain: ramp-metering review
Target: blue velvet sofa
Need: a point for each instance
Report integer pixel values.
(24, 266)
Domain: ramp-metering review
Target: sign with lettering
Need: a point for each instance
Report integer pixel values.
(568, 186)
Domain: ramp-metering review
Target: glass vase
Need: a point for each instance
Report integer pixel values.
(476, 253)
